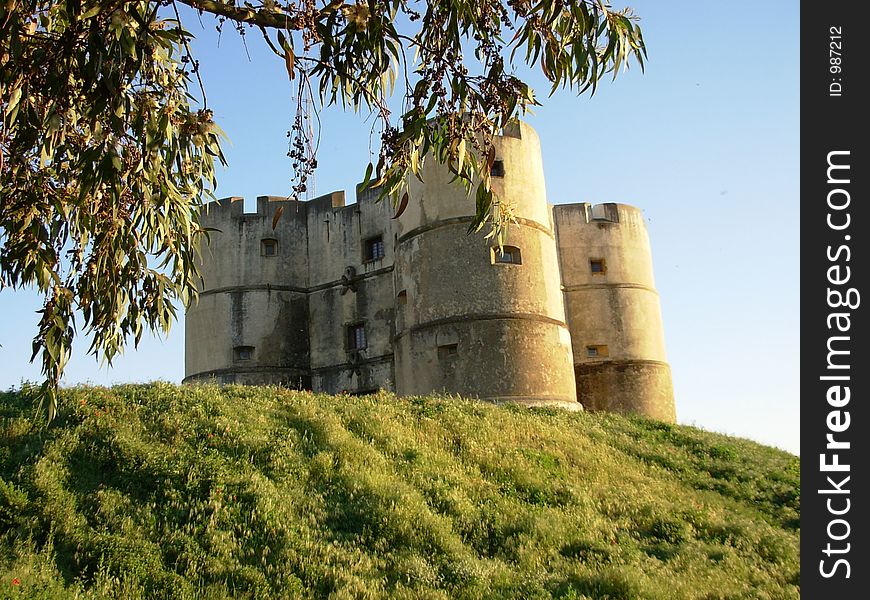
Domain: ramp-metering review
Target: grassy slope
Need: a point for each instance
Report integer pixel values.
(160, 491)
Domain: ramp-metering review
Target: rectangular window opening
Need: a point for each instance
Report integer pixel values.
(448, 350)
(507, 255)
(403, 297)
(243, 353)
(597, 265)
(373, 249)
(597, 351)
(497, 169)
(269, 247)
(356, 336)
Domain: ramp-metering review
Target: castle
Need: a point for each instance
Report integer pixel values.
(346, 298)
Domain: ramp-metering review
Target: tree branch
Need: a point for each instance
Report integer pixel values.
(261, 17)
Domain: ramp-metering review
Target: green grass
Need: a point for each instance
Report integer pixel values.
(161, 491)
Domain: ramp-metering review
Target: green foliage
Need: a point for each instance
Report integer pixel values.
(106, 157)
(158, 491)
(461, 85)
(104, 165)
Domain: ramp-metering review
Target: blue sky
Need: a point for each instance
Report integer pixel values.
(705, 141)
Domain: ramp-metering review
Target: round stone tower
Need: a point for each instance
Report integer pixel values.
(250, 324)
(613, 310)
(469, 319)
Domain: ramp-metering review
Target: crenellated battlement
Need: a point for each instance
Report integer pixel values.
(233, 207)
(226, 206)
(335, 296)
(605, 214)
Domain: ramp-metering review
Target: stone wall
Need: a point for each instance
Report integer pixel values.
(613, 309)
(340, 297)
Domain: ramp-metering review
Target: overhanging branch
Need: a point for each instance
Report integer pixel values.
(262, 17)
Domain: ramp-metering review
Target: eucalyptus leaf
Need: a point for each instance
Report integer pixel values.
(109, 146)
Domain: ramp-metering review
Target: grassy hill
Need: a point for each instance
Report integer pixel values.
(161, 491)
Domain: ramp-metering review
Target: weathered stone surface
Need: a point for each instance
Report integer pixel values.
(438, 310)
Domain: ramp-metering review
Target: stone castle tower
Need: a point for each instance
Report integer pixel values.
(345, 298)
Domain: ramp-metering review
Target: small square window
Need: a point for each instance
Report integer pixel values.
(597, 265)
(509, 255)
(269, 247)
(597, 351)
(448, 351)
(497, 169)
(243, 353)
(356, 337)
(373, 249)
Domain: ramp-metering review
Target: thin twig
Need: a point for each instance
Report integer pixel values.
(194, 64)
(269, 41)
